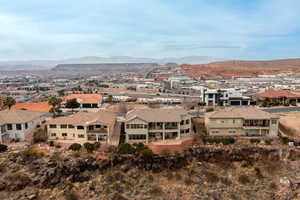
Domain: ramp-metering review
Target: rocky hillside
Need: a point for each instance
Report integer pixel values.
(238, 68)
(201, 173)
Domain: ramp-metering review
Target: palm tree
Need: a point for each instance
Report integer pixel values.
(9, 102)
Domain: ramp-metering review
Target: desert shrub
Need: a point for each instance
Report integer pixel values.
(225, 141)
(155, 190)
(89, 147)
(31, 153)
(71, 196)
(188, 181)
(211, 176)
(39, 135)
(126, 149)
(3, 148)
(209, 109)
(146, 154)
(75, 147)
(258, 173)
(268, 141)
(244, 179)
(178, 176)
(75, 154)
(254, 141)
(273, 186)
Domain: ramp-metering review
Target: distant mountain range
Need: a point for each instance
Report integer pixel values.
(48, 64)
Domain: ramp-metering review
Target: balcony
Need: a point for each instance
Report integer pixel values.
(257, 123)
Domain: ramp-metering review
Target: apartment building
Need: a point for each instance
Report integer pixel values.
(148, 125)
(83, 127)
(17, 124)
(242, 121)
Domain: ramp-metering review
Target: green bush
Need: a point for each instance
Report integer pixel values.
(89, 147)
(146, 154)
(285, 140)
(254, 141)
(126, 149)
(286, 104)
(3, 148)
(139, 147)
(75, 147)
(224, 141)
(268, 141)
(209, 110)
(244, 179)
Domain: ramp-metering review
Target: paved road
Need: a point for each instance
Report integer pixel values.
(285, 109)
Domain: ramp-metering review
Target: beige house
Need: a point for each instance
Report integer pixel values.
(83, 127)
(242, 121)
(18, 124)
(148, 125)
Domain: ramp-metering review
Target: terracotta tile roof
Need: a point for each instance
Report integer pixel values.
(247, 112)
(85, 98)
(278, 93)
(85, 118)
(18, 116)
(32, 106)
(157, 115)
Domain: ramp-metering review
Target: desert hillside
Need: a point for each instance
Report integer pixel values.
(228, 69)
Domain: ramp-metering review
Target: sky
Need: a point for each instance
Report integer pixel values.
(227, 29)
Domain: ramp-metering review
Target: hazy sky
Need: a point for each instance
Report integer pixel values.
(231, 29)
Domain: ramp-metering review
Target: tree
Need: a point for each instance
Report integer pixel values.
(3, 148)
(55, 103)
(72, 103)
(9, 102)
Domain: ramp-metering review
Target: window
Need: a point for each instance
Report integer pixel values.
(98, 126)
(26, 126)
(187, 130)
(52, 126)
(80, 127)
(127, 126)
(104, 126)
(137, 137)
(53, 134)
(182, 122)
(9, 127)
(19, 126)
(71, 126)
(274, 122)
(220, 121)
(63, 126)
(80, 136)
(64, 134)
(187, 121)
(214, 131)
(232, 131)
(236, 121)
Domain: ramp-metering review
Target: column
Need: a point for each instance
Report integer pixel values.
(163, 131)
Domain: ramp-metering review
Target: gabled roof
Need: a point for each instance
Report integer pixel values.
(85, 118)
(157, 115)
(85, 98)
(32, 106)
(18, 116)
(247, 112)
(278, 93)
